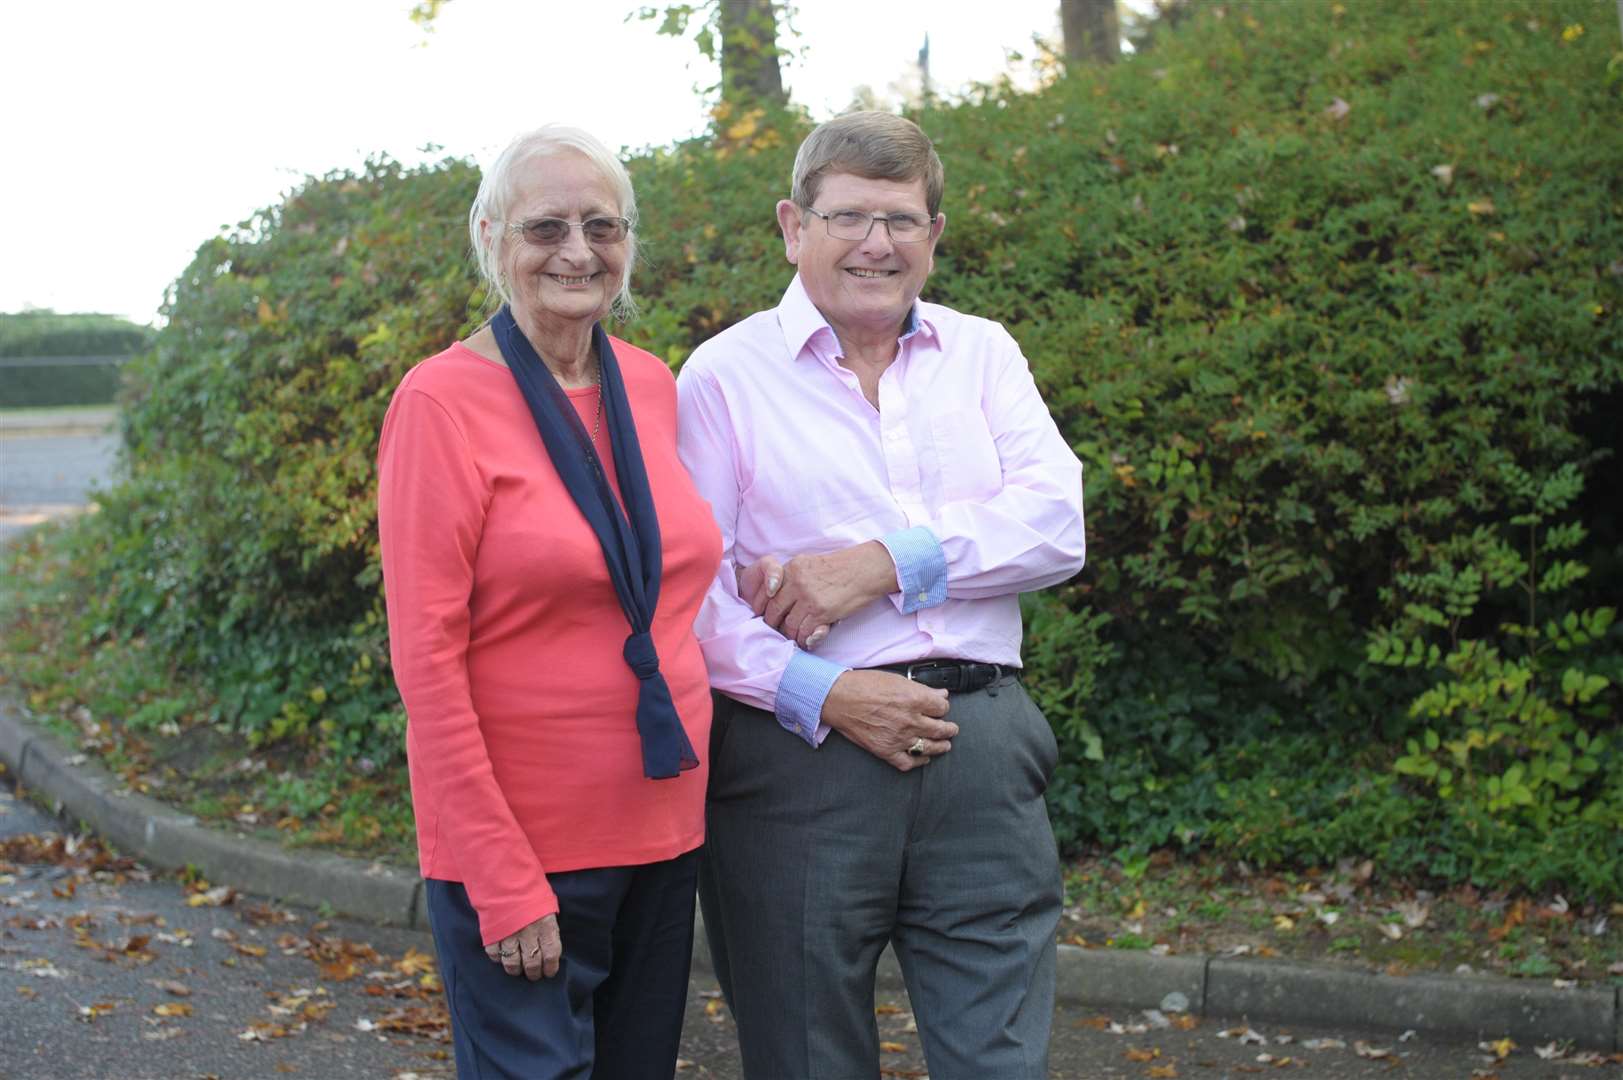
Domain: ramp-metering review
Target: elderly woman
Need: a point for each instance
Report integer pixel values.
(544, 555)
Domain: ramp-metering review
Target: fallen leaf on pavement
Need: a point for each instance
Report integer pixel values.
(414, 963)
(428, 1021)
(1247, 1036)
(893, 1047)
(343, 971)
(89, 1013)
(172, 1008)
(144, 919)
(219, 896)
(265, 915)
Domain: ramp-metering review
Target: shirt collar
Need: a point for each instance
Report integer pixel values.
(801, 321)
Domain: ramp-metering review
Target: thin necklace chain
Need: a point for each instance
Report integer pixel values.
(597, 420)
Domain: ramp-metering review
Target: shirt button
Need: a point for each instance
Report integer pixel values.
(924, 597)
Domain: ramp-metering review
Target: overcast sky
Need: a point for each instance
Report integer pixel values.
(137, 129)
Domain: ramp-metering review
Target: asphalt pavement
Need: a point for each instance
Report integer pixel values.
(49, 462)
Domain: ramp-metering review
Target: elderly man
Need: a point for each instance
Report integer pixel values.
(888, 473)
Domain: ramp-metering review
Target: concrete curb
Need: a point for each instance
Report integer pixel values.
(170, 840)
(1278, 991)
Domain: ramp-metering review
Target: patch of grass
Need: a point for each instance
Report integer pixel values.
(1345, 914)
(111, 698)
(1537, 966)
(1129, 941)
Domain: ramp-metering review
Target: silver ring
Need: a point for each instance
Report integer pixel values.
(506, 954)
(917, 749)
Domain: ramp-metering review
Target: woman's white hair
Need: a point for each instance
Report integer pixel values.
(496, 193)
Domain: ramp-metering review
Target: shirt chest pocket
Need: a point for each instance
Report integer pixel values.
(966, 457)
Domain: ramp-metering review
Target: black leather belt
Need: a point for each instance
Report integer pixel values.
(954, 676)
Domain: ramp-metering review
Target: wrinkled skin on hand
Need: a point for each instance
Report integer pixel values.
(533, 951)
(806, 596)
(884, 713)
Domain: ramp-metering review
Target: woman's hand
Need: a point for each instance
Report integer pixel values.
(533, 952)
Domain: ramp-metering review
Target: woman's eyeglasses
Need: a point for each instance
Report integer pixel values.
(551, 231)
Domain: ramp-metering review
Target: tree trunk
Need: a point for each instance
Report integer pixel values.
(1092, 31)
(749, 52)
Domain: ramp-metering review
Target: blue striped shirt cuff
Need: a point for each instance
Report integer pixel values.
(921, 567)
(801, 692)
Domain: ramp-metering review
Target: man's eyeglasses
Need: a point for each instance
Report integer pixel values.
(857, 224)
(551, 231)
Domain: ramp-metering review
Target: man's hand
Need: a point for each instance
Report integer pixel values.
(803, 598)
(533, 952)
(885, 713)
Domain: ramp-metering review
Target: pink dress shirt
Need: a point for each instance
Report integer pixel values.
(960, 472)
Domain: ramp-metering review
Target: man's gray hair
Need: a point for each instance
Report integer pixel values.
(496, 193)
(872, 145)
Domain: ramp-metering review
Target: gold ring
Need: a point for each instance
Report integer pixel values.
(917, 749)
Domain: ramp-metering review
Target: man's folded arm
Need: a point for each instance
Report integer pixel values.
(1028, 535)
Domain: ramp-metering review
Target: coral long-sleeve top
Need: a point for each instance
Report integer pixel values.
(506, 638)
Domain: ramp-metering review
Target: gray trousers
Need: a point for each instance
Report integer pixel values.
(815, 859)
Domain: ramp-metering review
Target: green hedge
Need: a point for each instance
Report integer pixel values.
(50, 333)
(1325, 296)
(41, 385)
(40, 335)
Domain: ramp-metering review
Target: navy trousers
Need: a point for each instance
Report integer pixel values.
(613, 1011)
